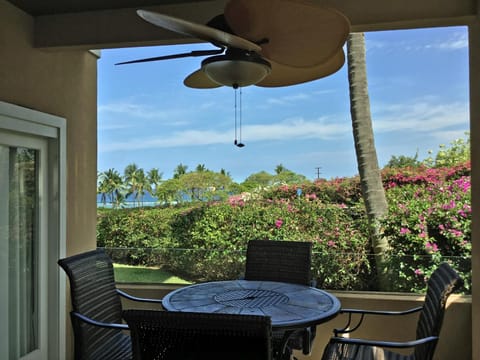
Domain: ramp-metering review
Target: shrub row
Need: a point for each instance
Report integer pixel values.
(428, 222)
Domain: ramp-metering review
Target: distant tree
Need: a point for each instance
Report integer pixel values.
(169, 192)
(403, 161)
(154, 177)
(200, 168)
(260, 179)
(129, 170)
(143, 186)
(179, 170)
(112, 187)
(286, 176)
(457, 152)
(205, 185)
(225, 172)
(136, 181)
(279, 169)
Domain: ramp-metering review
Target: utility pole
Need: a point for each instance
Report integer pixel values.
(318, 171)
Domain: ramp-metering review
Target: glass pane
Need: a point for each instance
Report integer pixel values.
(22, 251)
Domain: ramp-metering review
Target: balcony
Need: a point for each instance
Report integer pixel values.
(455, 339)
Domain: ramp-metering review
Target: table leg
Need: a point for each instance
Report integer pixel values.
(281, 350)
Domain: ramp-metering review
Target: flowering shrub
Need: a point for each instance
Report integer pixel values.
(219, 233)
(336, 191)
(428, 222)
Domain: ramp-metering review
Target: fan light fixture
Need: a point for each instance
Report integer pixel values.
(236, 70)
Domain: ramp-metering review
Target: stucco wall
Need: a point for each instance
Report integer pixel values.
(61, 83)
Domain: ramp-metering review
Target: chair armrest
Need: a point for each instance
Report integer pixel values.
(134, 298)
(381, 312)
(349, 329)
(387, 344)
(90, 321)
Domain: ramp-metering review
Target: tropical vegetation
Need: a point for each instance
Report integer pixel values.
(204, 238)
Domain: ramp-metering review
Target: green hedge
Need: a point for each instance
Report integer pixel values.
(428, 222)
(208, 242)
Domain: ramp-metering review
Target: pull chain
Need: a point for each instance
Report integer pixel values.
(238, 113)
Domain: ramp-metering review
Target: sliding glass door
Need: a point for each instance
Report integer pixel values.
(24, 228)
(32, 234)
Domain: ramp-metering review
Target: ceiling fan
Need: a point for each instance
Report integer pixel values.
(268, 43)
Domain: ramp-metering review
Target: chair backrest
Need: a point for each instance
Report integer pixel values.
(442, 283)
(163, 335)
(273, 260)
(93, 294)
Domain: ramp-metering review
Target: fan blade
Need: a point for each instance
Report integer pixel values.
(199, 31)
(175, 56)
(283, 75)
(299, 34)
(199, 80)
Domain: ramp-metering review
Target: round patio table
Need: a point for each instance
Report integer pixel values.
(288, 305)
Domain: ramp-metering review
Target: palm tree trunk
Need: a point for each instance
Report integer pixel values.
(370, 178)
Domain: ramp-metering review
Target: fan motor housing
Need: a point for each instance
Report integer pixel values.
(236, 69)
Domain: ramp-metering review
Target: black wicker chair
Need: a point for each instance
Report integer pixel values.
(441, 284)
(163, 335)
(96, 307)
(283, 261)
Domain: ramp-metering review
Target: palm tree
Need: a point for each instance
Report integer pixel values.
(142, 185)
(101, 187)
(370, 178)
(154, 178)
(136, 182)
(225, 172)
(200, 168)
(279, 169)
(179, 170)
(112, 186)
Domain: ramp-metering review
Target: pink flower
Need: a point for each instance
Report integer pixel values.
(331, 243)
(456, 232)
(404, 231)
(422, 235)
(278, 223)
(449, 206)
(431, 247)
(418, 272)
(236, 200)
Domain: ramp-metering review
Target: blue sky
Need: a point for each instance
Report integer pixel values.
(418, 86)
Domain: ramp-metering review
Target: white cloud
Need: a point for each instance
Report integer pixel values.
(375, 44)
(128, 114)
(425, 116)
(457, 40)
(132, 109)
(287, 100)
(290, 129)
(421, 116)
(297, 129)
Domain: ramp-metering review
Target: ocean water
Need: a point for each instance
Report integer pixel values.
(148, 200)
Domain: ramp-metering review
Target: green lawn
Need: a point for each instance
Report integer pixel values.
(141, 274)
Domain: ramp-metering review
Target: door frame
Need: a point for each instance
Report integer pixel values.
(17, 119)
